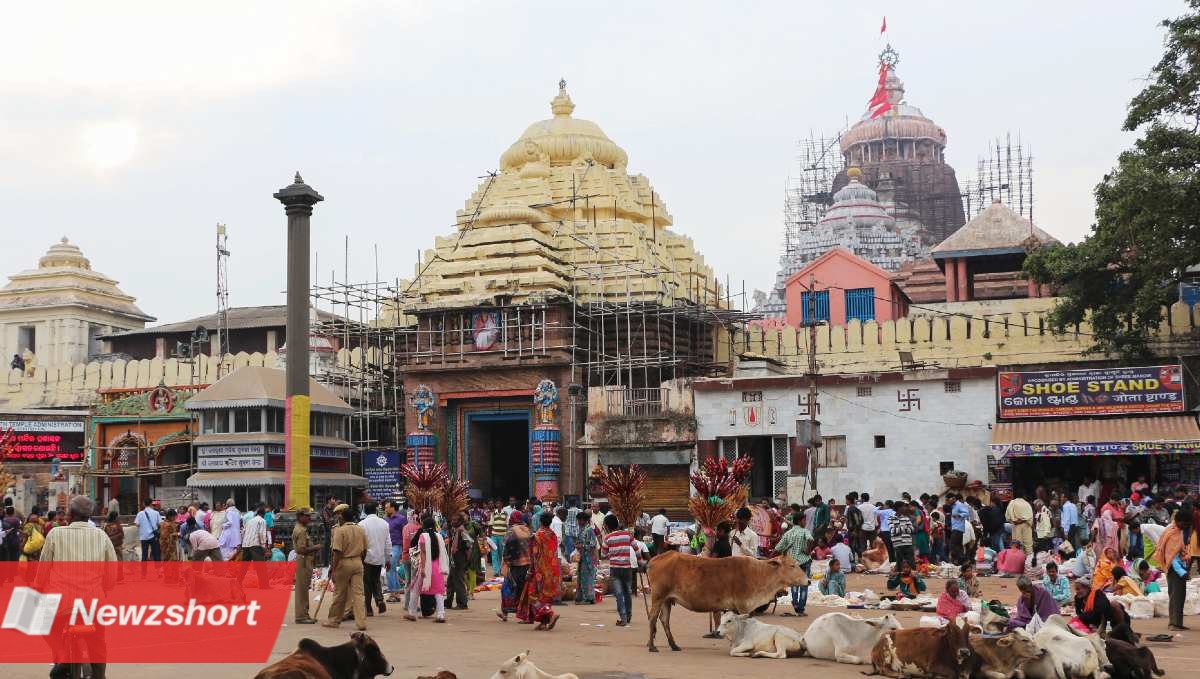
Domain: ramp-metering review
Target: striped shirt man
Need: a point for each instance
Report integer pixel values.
(617, 549)
(499, 523)
(83, 542)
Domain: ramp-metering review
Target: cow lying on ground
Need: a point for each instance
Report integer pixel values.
(1002, 657)
(1130, 661)
(739, 584)
(844, 638)
(212, 589)
(521, 667)
(941, 653)
(359, 658)
(754, 639)
(1069, 654)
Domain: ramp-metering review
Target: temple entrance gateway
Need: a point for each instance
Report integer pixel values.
(497, 453)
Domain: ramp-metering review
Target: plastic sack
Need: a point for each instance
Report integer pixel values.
(933, 621)
(1142, 608)
(1161, 604)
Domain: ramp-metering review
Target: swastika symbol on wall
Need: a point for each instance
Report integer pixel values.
(909, 399)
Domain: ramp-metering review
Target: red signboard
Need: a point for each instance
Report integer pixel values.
(38, 447)
(1094, 391)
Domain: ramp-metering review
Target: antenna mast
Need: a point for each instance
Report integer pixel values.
(222, 345)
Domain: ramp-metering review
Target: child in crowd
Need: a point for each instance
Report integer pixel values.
(834, 581)
(968, 581)
(908, 584)
(822, 550)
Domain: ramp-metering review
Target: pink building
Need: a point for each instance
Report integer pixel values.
(846, 287)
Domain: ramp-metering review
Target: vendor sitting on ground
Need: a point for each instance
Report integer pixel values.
(968, 581)
(1056, 585)
(953, 602)
(1032, 601)
(1085, 562)
(1148, 577)
(1093, 610)
(874, 557)
(834, 582)
(908, 584)
(1011, 562)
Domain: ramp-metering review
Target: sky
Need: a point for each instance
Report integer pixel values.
(134, 128)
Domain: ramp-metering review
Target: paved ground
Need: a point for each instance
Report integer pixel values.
(473, 643)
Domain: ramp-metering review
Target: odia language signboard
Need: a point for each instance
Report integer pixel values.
(1095, 391)
(382, 469)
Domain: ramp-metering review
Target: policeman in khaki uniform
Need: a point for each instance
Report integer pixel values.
(305, 551)
(349, 544)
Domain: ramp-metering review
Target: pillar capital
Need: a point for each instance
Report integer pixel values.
(298, 196)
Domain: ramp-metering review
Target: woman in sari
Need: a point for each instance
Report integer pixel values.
(515, 568)
(1102, 576)
(588, 546)
(431, 564)
(544, 583)
(168, 544)
(921, 538)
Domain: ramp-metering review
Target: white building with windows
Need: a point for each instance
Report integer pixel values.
(882, 433)
(240, 450)
(57, 313)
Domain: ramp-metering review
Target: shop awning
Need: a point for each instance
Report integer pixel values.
(1115, 436)
(268, 478)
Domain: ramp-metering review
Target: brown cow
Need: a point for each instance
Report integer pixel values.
(943, 653)
(1004, 656)
(705, 585)
(359, 658)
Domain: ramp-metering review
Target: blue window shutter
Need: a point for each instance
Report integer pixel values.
(860, 304)
(822, 306)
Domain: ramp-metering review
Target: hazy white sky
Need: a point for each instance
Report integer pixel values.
(133, 128)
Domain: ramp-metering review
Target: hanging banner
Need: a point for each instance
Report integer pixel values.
(382, 469)
(1095, 391)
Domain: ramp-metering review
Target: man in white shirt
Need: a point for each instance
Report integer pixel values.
(557, 524)
(204, 545)
(742, 540)
(845, 556)
(148, 521)
(377, 556)
(598, 515)
(255, 545)
(869, 524)
(659, 526)
(1085, 489)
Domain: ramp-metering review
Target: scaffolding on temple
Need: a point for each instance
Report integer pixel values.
(810, 192)
(1004, 174)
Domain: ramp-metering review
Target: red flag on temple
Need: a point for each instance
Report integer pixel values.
(879, 103)
(883, 28)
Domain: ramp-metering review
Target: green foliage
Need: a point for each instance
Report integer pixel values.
(1146, 229)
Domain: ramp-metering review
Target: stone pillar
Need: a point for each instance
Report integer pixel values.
(272, 341)
(951, 281)
(160, 347)
(545, 441)
(964, 281)
(298, 200)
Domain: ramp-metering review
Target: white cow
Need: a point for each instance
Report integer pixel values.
(754, 639)
(844, 638)
(1069, 654)
(520, 667)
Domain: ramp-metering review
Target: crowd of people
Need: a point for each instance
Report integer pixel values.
(1117, 541)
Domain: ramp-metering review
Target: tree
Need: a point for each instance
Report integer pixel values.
(1147, 210)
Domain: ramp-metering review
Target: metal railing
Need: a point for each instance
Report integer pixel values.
(638, 402)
